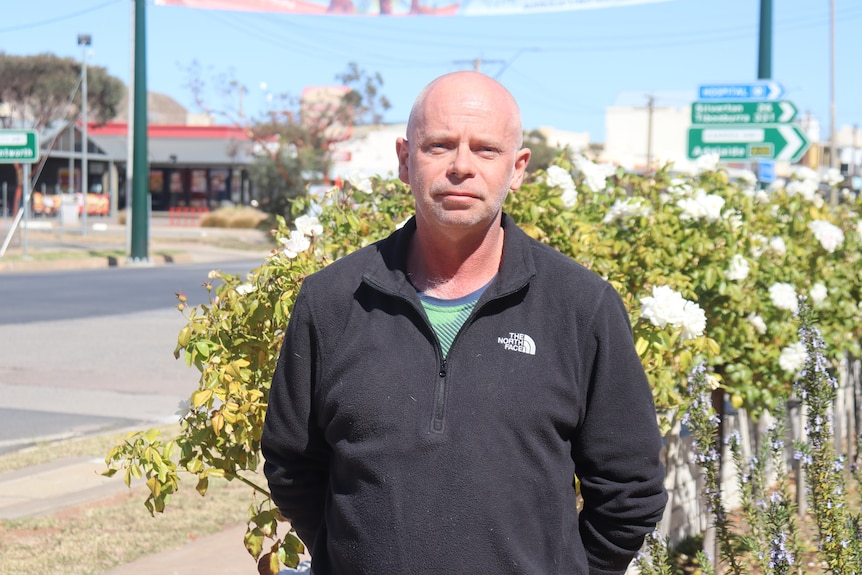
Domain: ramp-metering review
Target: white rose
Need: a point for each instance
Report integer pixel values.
(757, 322)
(595, 175)
(667, 307)
(783, 296)
(295, 244)
(829, 235)
(818, 293)
(558, 177)
(694, 321)
(738, 269)
(833, 177)
(622, 210)
(806, 188)
(777, 245)
(792, 358)
(701, 206)
(361, 182)
(707, 163)
(758, 245)
(308, 225)
(663, 307)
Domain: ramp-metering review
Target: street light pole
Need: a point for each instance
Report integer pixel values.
(764, 55)
(84, 40)
(140, 163)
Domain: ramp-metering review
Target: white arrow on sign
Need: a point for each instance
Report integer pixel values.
(794, 143)
(787, 111)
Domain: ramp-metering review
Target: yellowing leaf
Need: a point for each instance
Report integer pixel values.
(268, 564)
(201, 396)
(713, 346)
(203, 484)
(155, 486)
(217, 422)
(685, 359)
(253, 541)
(641, 346)
(184, 337)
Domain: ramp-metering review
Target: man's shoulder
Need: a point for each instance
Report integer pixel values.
(550, 259)
(351, 265)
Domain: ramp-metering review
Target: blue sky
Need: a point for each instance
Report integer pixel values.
(564, 68)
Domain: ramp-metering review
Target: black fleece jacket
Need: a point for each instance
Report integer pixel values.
(390, 460)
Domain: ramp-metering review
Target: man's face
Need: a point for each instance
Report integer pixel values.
(461, 159)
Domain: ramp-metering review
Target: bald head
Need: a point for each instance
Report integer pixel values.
(467, 89)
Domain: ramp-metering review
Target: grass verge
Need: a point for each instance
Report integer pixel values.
(95, 537)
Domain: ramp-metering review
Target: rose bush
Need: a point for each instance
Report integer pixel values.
(709, 268)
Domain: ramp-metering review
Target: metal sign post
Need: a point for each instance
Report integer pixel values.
(26, 194)
(19, 147)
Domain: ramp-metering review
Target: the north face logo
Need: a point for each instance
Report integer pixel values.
(518, 342)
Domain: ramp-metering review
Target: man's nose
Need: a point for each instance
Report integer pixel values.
(463, 163)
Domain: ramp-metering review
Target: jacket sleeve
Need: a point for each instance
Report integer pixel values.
(295, 452)
(617, 449)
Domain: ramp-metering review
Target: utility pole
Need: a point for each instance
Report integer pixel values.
(477, 63)
(833, 145)
(856, 154)
(84, 40)
(650, 111)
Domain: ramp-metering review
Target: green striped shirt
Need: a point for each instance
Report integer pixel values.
(448, 315)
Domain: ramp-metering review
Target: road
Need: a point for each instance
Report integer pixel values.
(87, 351)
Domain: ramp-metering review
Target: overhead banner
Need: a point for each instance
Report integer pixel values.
(403, 7)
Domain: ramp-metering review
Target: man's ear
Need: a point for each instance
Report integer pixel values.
(402, 148)
(522, 158)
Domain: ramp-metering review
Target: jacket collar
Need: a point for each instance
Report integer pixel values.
(387, 270)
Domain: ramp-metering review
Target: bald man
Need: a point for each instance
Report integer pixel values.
(438, 391)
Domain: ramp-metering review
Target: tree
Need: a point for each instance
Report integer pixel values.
(365, 100)
(294, 138)
(41, 90)
(543, 154)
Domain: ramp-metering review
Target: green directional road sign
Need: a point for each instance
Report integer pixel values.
(745, 142)
(742, 112)
(19, 146)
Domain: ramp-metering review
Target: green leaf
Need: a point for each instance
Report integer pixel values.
(710, 276)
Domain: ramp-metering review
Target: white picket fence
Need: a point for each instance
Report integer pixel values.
(686, 514)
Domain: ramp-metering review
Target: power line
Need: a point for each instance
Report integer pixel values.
(58, 18)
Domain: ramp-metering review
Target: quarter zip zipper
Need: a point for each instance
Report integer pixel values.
(438, 415)
(439, 398)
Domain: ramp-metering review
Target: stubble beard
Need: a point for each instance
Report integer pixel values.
(464, 214)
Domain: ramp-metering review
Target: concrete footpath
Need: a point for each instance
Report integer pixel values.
(47, 488)
(75, 481)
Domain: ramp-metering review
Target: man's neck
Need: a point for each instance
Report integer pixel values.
(448, 268)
